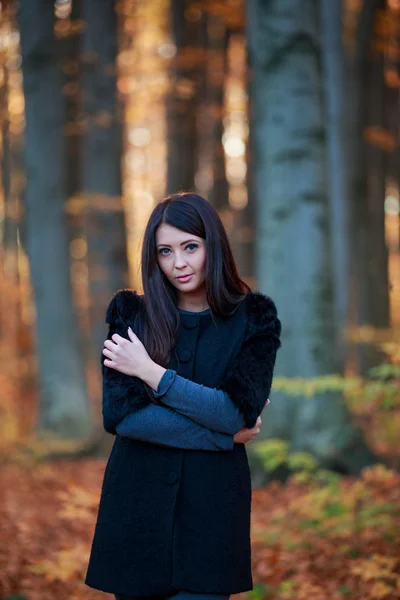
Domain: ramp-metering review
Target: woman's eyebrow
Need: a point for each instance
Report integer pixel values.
(182, 243)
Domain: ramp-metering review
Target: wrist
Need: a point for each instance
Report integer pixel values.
(152, 374)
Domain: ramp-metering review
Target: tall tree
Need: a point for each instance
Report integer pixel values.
(63, 401)
(101, 161)
(334, 80)
(376, 173)
(221, 43)
(69, 49)
(364, 288)
(211, 109)
(288, 153)
(183, 96)
(356, 187)
(10, 209)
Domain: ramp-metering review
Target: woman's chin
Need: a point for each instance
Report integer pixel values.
(191, 286)
(186, 287)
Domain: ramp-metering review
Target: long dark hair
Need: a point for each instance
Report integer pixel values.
(191, 213)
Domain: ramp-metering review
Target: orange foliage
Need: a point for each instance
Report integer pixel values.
(43, 553)
(47, 516)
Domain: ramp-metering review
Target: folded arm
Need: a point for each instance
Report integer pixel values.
(162, 425)
(245, 388)
(209, 407)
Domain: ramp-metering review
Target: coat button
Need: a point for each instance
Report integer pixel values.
(172, 477)
(185, 355)
(188, 324)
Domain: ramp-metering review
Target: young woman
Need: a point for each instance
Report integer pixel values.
(187, 369)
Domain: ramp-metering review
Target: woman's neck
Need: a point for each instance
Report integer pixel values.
(195, 301)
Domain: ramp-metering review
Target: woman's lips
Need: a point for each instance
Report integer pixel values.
(185, 278)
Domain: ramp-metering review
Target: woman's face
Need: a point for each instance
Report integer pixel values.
(181, 257)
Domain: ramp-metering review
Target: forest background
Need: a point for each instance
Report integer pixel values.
(284, 114)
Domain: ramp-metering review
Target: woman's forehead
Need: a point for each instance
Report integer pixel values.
(167, 234)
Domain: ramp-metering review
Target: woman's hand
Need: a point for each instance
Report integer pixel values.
(246, 435)
(127, 356)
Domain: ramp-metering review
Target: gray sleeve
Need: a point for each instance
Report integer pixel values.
(209, 407)
(162, 425)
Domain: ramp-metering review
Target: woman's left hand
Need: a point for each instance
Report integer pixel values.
(127, 356)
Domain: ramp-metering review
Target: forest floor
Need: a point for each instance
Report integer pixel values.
(309, 541)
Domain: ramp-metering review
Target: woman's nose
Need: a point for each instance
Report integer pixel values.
(179, 260)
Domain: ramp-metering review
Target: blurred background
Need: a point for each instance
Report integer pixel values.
(284, 114)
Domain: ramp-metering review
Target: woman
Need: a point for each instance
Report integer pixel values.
(187, 369)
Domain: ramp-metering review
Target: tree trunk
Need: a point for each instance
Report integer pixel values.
(101, 163)
(240, 196)
(63, 401)
(357, 79)
(334, 84)
(211, 111)
(183, 96)
(70, 49)
(213, 181)
(377, 258)
(211, 176)
(293, 265)
(10, 317)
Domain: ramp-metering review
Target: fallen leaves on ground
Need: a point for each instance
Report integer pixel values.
(309, 541)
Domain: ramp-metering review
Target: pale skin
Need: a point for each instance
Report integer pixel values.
(179, 254)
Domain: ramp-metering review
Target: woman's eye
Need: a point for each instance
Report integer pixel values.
(191, 247)
(164, 253)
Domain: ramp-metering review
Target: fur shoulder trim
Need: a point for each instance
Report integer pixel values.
(262, 314)
(124, 304)
(249, 377)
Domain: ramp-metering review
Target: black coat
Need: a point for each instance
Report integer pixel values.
(172, 519)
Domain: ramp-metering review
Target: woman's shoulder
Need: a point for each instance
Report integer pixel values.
(125, 303)
(262, 313)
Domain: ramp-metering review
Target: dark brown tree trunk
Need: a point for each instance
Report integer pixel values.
(238, 222)
(70, 51)
(377, 258)
(101, 163)
(357, 78)
(183, 96)
(9, 298)
(335, 108)
(212, 110)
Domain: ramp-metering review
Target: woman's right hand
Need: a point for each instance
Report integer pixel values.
(246, 435)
